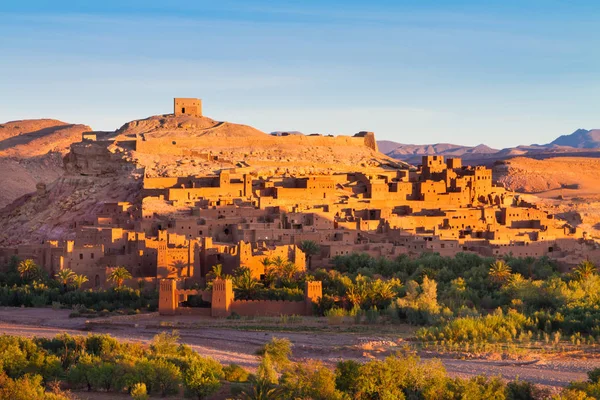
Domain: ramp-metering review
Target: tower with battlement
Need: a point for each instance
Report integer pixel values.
(312, 293)
(167, 299)
(222, 297)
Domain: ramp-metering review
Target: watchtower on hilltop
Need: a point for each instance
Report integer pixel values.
(187, 106)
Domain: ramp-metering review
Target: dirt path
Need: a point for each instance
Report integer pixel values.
(236, 346)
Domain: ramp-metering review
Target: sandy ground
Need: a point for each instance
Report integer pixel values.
(239, 346)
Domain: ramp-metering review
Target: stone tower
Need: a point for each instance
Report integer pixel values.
(167, 297)
(222, 297)
(187, 106)
(312, 293)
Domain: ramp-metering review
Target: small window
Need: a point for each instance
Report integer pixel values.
(92, 256)
(80, 256)
(183, 110)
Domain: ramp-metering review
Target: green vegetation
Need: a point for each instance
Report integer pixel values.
(467, 299)
(101, 363)
(310, 248)
(26, 284)
(50, 368)
(118, 276)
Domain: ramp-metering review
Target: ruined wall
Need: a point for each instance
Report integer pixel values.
(182, 145)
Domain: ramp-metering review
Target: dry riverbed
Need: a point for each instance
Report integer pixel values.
(215, 338)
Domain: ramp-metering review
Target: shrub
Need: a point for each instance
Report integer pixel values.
(202, 377)
(310, 380)
(165, 343)
(335, 315)
(138, 392)
(166, 377)
(346, 375)
(278, 351)
(235, 373)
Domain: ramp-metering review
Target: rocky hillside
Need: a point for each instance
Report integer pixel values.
(553, 176)
(185, 126)
(112, 167)
(31, 151)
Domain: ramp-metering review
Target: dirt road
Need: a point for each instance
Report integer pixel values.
(235, 346)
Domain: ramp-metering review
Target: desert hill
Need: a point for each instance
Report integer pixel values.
(185, 126)
(560, 174)
(111, 168)
(31, 151)
(568, 186)
(38, 136)
(169, 145)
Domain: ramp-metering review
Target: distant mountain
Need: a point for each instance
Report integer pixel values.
(412, 153)
(386, 146)
(286, 133)
(580, 139)
(579, 143)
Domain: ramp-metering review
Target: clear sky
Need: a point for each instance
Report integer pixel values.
(502, 72)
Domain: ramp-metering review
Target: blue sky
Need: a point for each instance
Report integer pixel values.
(496, 72)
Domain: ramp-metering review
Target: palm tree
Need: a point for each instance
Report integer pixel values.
(266, 262)
(261, 389)
(278, 261)
(65, 276)
(499, 271)
(585, 270)
(288, 271)
(78, 281)
(244, 282)
(217, 271)
(28, 269)
(310, 248)
(382, 292)
(118, 275)
(356, 294)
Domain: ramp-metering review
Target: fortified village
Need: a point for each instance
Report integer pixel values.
(248, 199)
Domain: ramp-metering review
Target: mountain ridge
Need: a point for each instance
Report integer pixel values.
(576, 142)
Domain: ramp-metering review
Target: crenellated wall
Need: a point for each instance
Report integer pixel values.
(223, 302)
(268, 307)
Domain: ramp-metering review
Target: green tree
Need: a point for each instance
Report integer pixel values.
(263, 385)
(499, 272)
(118, 276)
(167, 377)
(78, 281)
(81, 374)
(310, 248)
(29, 270)
(217, 271)
(244, 282)
(278, 350)
(382, 292)
(65, 277)
(165, 343)
(346, 375)
(310, 380)
(584, 270)
(139, 392)
(202, 377)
